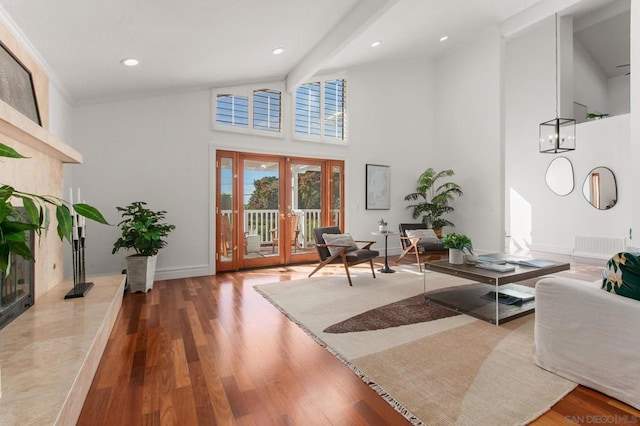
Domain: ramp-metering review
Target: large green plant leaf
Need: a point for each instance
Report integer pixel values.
(5, 258)
(6, 192)
(7, 151)
(33, 212)
(64, 222)
(5, 210)
(12, 226)
(20, 248)
(90, 212)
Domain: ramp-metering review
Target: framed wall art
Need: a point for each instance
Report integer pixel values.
(16, 85)
(378, 183)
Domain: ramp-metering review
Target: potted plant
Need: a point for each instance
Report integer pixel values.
(457, 244)
(434, 199)
(382, 225)
(143, 231)
(14, 225)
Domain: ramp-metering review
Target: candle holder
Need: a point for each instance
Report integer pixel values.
(80, 286)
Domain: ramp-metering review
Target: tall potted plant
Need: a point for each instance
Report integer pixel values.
(143, 231)
(434, 199)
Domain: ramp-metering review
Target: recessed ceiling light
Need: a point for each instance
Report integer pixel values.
(130, 62)
(443, 38)
(376, 43)
(278, 50)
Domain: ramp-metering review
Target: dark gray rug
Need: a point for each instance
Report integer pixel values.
(408, 311)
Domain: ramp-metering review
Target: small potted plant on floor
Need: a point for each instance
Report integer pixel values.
(457, 244)
(143, 231)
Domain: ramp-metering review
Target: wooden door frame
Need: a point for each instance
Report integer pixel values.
(284, 257)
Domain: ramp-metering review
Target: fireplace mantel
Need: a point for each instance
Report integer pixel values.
(21, 129)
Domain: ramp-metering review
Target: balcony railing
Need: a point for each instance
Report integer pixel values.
(262, 222)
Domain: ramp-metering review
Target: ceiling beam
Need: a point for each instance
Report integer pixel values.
(361, 16)
(536, 13)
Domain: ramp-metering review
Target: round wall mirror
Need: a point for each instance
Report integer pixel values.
(600, 188)
(559, 176)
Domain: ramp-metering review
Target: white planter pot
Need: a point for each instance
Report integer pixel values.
(470, 259)
(382, 228)
(456, 256)
(141, 271)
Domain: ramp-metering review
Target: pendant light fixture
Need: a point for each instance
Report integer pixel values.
(559, 134)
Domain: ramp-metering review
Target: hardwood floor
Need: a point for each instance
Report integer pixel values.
(210, 350)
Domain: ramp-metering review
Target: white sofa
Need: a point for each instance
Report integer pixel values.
(589, 336)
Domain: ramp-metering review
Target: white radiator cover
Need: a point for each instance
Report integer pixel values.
(601, 247)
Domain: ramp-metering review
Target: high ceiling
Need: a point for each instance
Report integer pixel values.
(212, 43)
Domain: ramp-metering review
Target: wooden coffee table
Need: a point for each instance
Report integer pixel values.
(477, 299)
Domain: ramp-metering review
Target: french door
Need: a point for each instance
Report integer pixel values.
(268, 205)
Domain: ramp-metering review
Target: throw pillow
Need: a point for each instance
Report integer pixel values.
(426, 235)
(342, 239)
(622, 275)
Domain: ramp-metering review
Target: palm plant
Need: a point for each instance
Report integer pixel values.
(434, 200)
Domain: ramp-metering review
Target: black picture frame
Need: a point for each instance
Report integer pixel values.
(16, 85)
(378, 187)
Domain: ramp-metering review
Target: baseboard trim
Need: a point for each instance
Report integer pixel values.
(182, 272)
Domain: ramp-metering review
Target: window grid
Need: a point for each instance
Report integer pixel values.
(267, 110)
(232, 110)
(320, 109)
(334, 109)
(308, 102)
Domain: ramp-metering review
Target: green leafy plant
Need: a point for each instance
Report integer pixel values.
(434, 199)
(14, 225)
(382, 222)
(142, 230)
(457, 241)
(596, 116)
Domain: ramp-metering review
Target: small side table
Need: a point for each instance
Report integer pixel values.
(385, 269)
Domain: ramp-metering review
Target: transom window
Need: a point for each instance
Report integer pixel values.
(232, 110)
(267, 110)
(247, 110)
(320, 110)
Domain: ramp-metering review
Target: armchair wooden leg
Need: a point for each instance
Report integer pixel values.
(418, 260)
(373, 271)
(320, 265)
(407, 251)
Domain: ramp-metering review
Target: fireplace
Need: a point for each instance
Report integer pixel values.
(17, 289)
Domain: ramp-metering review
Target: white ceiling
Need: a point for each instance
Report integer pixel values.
(212, 43)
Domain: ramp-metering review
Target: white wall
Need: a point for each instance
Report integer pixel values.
(619, 95)
(158, 149)
(539, 219)
(469, 137)
(60, 115)
(590, 83)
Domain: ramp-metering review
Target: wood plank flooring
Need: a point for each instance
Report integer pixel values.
(210, 350)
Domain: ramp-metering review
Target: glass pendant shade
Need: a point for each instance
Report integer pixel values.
(558, 135)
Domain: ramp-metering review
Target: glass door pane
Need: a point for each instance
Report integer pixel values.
(225, 217)
(304, 208)
(260, 213)
(336, 195)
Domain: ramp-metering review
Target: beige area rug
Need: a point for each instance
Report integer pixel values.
(450, 371)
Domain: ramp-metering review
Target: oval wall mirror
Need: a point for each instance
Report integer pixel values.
(559, 176)
(600, 188)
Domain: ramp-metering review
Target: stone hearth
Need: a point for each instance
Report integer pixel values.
(49, 355)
